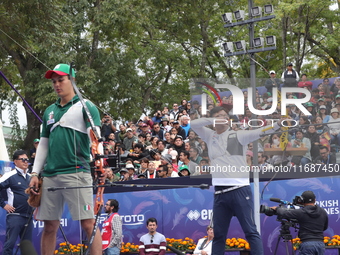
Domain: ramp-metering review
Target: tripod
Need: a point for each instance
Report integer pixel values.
(285, 235)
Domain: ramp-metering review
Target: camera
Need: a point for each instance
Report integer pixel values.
(285, 222)
(270, 212)
(267, 210)
(298, 201)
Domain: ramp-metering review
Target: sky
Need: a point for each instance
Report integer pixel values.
(21, 115)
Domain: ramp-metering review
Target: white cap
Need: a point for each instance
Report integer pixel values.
(173, 154)
(272, 71)
(334, 110)
(129, 166)
(129, 129)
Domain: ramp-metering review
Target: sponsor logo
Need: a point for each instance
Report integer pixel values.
(204, 214)
(40, 224)
(128, 220)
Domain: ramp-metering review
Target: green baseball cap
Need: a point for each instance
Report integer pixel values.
(60, 69)
(182, 168)
(36, 140)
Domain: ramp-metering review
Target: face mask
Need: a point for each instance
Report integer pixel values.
(276, 141)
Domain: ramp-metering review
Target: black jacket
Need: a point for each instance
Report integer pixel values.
(313, 137)
(181, 132)
(312, 219)
(331, 159)
(272, 83)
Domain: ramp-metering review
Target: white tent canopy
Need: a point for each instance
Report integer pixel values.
(3, 149)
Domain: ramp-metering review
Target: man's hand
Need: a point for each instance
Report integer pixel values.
(34, 185)
(204, 253)
(9, 208)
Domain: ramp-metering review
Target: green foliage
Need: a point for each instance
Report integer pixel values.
(137, 56)
(18, 134)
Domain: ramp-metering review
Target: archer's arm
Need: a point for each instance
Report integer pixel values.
(248, 136)
(199, 126)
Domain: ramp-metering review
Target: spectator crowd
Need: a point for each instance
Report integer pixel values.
(165, 146)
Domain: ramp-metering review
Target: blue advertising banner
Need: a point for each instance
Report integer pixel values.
(6, 166)
(186, 212)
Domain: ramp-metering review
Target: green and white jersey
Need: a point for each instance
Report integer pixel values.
(69, 144)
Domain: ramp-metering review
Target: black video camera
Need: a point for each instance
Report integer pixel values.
(270, 212)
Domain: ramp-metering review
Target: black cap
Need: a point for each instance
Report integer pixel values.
(308, 196)
(175, 122)
(290, 64)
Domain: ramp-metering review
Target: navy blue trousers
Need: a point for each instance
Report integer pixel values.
(239, 203)
(312, 248)
(15, 226)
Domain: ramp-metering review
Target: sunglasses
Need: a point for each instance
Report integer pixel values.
(24, 159)
(151, 240)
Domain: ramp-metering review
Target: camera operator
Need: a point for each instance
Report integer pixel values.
(312, 219)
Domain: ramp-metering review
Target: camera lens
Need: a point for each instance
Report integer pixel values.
(267, 210)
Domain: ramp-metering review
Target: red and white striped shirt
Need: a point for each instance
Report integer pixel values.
(152, 244)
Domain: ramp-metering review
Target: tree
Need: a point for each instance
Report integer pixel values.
(135, 57)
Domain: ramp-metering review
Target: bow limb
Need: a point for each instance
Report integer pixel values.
(82, 101)
(97, 150)
(22, 98)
